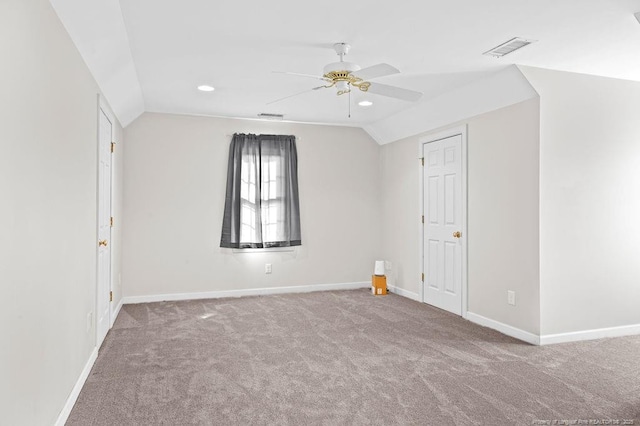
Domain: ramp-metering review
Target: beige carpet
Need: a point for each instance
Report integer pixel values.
(345, 357)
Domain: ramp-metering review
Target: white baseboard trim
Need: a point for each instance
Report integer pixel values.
(75, 392)
(404, 293)
(599, 333)
(244, 292)
(517, 333)
(116, 311)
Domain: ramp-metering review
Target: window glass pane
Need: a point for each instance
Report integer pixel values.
(270, 169)
(271, 207)
(244, 180)
(252, 182)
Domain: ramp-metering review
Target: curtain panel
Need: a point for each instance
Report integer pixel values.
(262, 207)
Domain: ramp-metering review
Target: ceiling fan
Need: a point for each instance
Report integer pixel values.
(346, 75)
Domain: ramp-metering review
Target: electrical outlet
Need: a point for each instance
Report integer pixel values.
(388, 265)
(89, 321)
(267, 268)
(511, 297)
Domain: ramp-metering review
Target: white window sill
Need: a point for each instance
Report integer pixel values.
(264, 250)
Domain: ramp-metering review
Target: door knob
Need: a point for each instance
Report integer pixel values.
(102, 243)
(456, 234)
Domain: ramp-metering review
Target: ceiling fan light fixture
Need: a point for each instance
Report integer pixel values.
(342, 86)
(206, 88)
(365, 103)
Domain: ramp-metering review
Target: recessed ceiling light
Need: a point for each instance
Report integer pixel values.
(206, 88)
(365, 103)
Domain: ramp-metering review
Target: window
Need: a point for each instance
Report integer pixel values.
(261, 205)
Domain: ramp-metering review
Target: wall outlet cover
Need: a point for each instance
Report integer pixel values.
(511, 297)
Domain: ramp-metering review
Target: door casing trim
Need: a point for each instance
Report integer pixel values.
(454, 131)
(103, 108)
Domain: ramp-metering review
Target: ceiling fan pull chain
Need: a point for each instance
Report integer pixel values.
(349, 101)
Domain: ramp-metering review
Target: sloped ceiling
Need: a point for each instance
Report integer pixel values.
(99, 33)
(150, 55)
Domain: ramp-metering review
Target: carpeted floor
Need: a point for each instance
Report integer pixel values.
(345, 357)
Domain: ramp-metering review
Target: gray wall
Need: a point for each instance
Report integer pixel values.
(589, 201)
(503, 250)
(48, 178)
(174, 199)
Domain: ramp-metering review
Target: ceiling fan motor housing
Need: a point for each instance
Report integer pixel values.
(341, 66)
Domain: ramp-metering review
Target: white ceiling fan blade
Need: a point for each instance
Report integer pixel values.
(317, 77)
(375, 71)
(295, 94)
(394, 92)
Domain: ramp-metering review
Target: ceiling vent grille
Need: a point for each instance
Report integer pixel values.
(508, 47)
(271, 116)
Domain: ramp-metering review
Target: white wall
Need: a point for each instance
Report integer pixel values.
(589, 201)
(48, 177)
(502, 213)
(174, 199)
(400, 183)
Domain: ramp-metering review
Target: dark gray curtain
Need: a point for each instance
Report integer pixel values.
(261, 206)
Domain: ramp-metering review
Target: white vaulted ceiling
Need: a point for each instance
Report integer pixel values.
(150, 54)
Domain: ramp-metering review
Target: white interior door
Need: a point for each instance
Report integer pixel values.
(443, 223)
(104, 229)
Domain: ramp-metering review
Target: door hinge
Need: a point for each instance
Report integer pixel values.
(422, 218)
(111, 221)
(113, 146)
(422, 277)
(110, 296)
(422, 160)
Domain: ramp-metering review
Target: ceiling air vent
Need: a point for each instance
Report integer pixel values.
(508, 47)
(271, 116)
